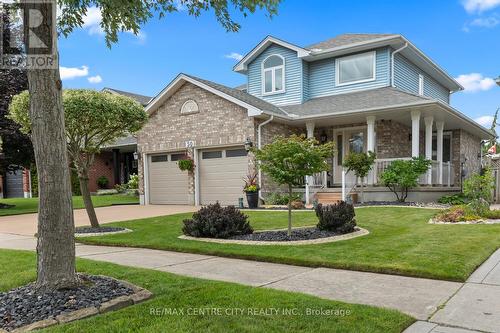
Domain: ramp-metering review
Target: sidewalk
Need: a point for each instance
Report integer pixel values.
(419, 298)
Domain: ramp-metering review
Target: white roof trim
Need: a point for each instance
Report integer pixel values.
(181, 78)
(241, 66)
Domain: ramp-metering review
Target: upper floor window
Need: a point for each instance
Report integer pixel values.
(273, 74)
(355, 69)
(189, 106)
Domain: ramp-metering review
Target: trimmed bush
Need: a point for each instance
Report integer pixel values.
(214, 221)
(281, 199)
(454, 199)
(102, 182)
(338, 217)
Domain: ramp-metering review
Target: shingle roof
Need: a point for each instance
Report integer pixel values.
(144, 100)
(368, 99)
(242, 96)
(346, 39)
(241, 87)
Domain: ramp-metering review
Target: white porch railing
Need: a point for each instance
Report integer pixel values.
(446, 170)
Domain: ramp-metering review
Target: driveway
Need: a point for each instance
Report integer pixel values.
(26, 224)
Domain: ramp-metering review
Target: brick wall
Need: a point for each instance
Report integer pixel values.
(392, 139)
(102, 166)
(218, 122)
(470, 148)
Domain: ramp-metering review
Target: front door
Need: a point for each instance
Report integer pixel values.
(348, 140)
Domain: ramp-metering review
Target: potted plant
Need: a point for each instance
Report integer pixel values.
(251, 190)
(186, 164)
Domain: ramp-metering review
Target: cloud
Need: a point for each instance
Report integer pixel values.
(95, 79)
(92, 23)
(68, 73)
(474, 82)
(479, 6)
(485, 121)
(233, 55)
(487, 22)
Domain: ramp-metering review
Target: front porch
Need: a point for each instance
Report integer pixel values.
(393, 135)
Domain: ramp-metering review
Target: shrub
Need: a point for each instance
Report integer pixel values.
(102, 182)
(360, 164)
(459, 213)
(454, 199)
(214, 221)
(133, 182)
(281, 199)
(401, 175)
(338, 217)
(478, 188)
(298, 204)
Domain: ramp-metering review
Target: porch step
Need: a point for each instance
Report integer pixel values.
(328, 198)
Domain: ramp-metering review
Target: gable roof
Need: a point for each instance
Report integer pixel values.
(346, 39)
(144, 100)
(254, 105)
(351, 43)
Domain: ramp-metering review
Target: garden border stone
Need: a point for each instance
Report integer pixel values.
(485, 221)
(93, 234)
(360, 232)
(140, 295)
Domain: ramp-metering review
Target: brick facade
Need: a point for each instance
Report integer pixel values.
(218, 122)
(102, 166)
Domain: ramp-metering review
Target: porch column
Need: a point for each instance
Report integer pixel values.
(310, 134)
(439, 140)
(370, 143)
(428, 145)
(415, 133)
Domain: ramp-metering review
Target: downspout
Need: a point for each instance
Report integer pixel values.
(259, 145)
(392, 61)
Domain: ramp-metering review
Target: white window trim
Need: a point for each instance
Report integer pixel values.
(190, 112)
(421, 84)
(273, 76)
(337, 72)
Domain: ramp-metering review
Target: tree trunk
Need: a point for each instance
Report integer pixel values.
(56, 243)
(362, 191)
(289, 210)
(87, 201)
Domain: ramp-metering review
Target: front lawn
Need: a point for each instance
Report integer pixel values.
(227, 299)
(25, 206)
(400, 242)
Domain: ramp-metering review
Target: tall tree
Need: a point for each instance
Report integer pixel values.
(56, 247)
(92, 119)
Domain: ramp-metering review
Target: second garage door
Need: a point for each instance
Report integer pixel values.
(221, 175)
(167, 183)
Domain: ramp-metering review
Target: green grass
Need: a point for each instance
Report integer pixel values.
(176, 292)
(25, 206)
(400, 242)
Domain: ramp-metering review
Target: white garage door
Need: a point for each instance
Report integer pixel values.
(221, 175)
(167, 183)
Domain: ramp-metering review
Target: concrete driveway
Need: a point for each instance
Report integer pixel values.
(26, 224)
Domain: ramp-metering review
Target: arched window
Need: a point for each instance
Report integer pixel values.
(189, 106)
(273, 74)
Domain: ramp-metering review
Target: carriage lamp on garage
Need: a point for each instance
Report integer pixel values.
(248, 144)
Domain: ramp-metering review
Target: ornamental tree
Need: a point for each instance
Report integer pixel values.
(287, 160)
(93, 119)
(360, 164)
(56, 244)
(402, 175)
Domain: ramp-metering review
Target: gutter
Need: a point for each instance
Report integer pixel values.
(392, 61)
(259, 145)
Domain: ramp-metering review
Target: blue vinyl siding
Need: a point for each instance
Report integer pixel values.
(322, 76)
(305, 80)
(406, 78)
(293, 77)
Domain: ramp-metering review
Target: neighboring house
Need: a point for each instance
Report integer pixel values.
(116, 161)
(367, 92)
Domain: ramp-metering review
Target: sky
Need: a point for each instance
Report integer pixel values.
(461, 36)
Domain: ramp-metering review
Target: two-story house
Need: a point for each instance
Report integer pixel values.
(366, 92)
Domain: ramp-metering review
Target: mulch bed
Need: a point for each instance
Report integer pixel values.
(5, 206)
(282, 236)
(23, 305)
(402, 204)
(90, 230)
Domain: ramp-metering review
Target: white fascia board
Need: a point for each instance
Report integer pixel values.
(241, 66)
(171, 88)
